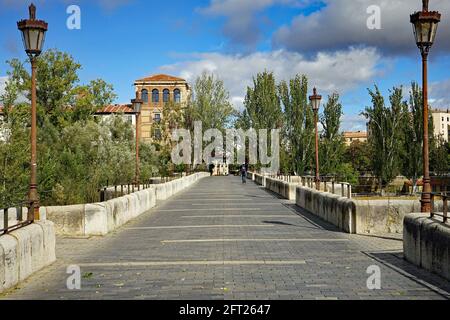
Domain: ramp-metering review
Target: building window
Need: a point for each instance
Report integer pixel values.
(166, 95)
(144, 96)
(157, 117)
(177, 95)
(157, 134)
(155, 95)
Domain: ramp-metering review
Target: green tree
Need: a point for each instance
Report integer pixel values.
(299, 126)
(210, 104)
(332, 141)
(385, 125)
(77, 153)
(262, 103)
(262, 106)
(439, 154)
(359, 155)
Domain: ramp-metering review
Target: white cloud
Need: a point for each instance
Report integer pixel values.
(343, 23)
(353, 123)
(241, 25)
(440, 94)
(339, 71)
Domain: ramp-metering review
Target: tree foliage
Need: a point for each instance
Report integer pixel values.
(77, 153)
(298, 126)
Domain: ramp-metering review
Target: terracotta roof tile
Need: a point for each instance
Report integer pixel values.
(117, 108)
(160, 78)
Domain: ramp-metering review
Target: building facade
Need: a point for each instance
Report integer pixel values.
(351, 136)
(156, 91)
(441, 121)
(123, 110)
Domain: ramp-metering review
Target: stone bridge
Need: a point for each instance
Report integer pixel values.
(221, 239)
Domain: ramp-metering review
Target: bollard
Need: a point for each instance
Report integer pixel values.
(128, 189)
(349, 190)
(115, 191)
(332, 187)
(19, 214)
(5, 220)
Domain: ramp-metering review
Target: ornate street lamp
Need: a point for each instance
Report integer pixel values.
(137, 108)
(33, 35)
(425, 25)
(315, 102)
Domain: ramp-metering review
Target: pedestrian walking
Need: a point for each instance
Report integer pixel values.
(244, 173)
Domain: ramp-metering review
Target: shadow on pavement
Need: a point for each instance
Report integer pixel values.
(395, 261)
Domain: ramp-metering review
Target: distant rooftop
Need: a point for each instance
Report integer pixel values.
(355, 134)
(161, 78)
(116, 108)
(441, 111)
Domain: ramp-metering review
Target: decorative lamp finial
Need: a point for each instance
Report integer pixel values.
(32, 10)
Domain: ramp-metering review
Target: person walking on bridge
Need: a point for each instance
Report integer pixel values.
(244, 173)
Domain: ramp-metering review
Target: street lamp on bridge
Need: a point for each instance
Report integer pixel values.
(315, 102)
(137, 108)
(33, 35)
(425, 25)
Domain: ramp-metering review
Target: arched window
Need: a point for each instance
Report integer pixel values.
(177, 95)
(166, 95)
(155, 95)
(144, 95)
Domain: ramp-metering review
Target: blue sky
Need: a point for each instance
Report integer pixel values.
(123, 40)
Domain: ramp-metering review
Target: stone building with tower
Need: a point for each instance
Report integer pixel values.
(155, 91)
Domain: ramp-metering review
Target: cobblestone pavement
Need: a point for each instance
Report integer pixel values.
(224, 240)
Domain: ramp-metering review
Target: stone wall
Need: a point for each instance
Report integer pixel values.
(337, 210)
(26, 251)
(260, 179)
(99, 219)
(358, 216)
(426, 243)
(284, 189)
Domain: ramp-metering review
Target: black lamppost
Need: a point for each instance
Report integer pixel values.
(425, 25)
(33, 35)
(137, 108)
(315, 102)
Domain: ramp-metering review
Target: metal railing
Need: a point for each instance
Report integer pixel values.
(132, 187)
(310, 182)
(20, 222)
(444, 197)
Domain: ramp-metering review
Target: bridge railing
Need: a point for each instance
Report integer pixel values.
(444, 197)
(18, 222)
(116, 191)
(328, 183)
